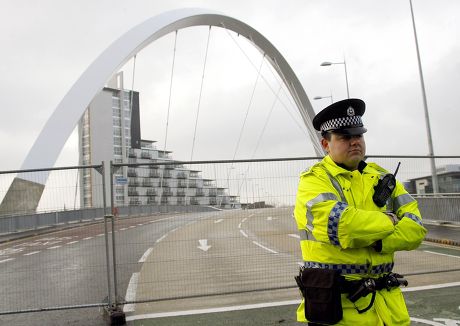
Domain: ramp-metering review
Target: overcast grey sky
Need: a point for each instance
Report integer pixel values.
(47, 44)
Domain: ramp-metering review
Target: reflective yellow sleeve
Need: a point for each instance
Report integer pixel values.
(333, 221)
(409, 232)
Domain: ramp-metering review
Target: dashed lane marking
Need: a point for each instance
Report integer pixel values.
(53, 247)
(5, 260)
(31, 253)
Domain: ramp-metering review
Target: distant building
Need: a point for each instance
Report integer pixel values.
(448, 180)
(109, 130)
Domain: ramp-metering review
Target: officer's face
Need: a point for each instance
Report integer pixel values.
(345, 149)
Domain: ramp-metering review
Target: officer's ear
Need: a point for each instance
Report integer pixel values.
(325, 144)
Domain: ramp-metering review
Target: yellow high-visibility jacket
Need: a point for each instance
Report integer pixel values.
(340, 226)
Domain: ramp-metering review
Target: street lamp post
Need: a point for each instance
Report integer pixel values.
(344, 63)
(321, 97)
(425, 106)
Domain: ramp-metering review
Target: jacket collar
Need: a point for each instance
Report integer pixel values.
(335, 169)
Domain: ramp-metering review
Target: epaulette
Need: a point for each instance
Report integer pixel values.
(377, 167)
(310, 169)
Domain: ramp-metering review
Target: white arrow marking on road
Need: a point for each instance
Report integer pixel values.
(203, 245)
(269, 218)
(219, 220)
(294, 235)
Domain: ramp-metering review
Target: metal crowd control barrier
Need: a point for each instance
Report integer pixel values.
(229, 222)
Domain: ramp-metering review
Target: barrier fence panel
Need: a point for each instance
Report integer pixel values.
(252, 248)
(62, 269)
(187, 231)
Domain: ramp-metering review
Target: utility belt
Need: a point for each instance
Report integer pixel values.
(322, 289)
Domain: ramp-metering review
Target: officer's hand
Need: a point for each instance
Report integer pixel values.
(392, 216)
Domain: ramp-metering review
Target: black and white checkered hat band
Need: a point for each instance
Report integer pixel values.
(339, 123)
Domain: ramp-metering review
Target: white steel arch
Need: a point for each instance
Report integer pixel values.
(60, 125)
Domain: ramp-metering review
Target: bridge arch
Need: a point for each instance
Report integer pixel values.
(60, 125)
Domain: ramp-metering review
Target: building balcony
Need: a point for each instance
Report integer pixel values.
(180, 201)
(151, 200)
(147, 183)
(180, 193)
(167, 192)
(151, 192)
(181, 175)
(164, 200)
(192, 185)
(167, 174)
(193, 201)
(212, 201)
(146, 155)
(182, 184)
(132, 173)
(199, 193)
(133, 193)
(134, 201)
(134, 183)
(154, 174)
(131, 153)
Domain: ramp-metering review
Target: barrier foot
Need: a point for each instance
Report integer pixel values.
(115, 316)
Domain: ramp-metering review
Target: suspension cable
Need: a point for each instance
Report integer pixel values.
(170, 91)
(249, 106)
(201, 91)
(266, 81)
(247, 112)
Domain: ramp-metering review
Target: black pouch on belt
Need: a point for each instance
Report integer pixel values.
(322, 295)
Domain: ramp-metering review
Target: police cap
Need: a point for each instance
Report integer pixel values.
(343, 117)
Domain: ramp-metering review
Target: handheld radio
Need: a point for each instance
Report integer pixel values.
(384, 188)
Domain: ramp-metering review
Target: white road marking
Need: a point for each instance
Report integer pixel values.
(243, 233)
(253, 306)
(263, 247)
(212, 310)
(161, 238)
(88, 238)
(294, 235)
(219, 220)
(131, 293)
(145, 255)
(269, 218)
(140, 224)
(72, 242)
(132, 226)
(31, 253)
(123, 229)
(245, 219)
(438, 253)
(203, 245)
(100, 235)
(430, 287)
(173, 230)
(5, 260)
(239, 226)
(54, 247)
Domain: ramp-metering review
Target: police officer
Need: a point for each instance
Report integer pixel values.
(345, 231)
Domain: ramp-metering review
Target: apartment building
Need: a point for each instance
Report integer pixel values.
(109, 130)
